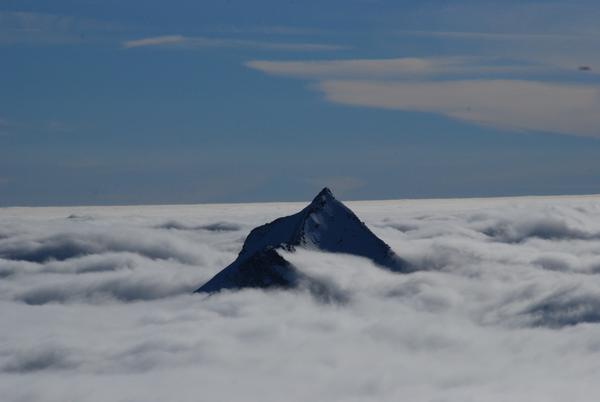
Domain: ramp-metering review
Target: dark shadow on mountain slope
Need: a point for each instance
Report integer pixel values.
(263, 269)
(269, 270)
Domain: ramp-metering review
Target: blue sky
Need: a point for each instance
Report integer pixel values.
(131, 102)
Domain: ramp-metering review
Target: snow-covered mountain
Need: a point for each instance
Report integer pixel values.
(325, 224)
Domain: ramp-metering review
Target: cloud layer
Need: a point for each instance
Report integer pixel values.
(504, 306)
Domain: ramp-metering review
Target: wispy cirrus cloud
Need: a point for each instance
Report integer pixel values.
(26, 27)
(507, 104)
(403, 67)
(476, 35)
(155, 41)
(49, 29)
(476, 90)
(191, 42)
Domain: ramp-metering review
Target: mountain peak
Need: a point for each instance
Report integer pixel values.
(325, 224)
(322, 199)
(325, 194)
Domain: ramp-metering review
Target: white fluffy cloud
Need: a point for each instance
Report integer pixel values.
(96, 306)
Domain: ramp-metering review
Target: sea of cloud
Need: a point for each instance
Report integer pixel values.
(96, 304)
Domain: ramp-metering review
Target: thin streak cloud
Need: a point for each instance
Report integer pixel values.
(404, 67)
(34, 28)
(206, 42)
(155, 41)
(497, 35)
